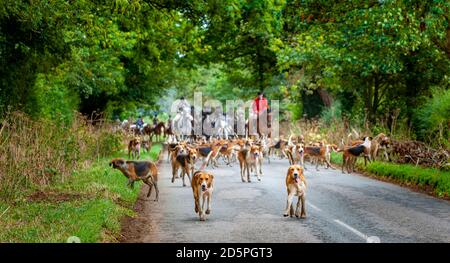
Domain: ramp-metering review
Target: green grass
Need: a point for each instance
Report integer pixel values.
(93, 202)
(424, 178)
(438, 180)
(336, 158)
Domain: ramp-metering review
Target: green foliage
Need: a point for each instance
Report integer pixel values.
(425, 178)
(89, 205)
(54, 101)
(89, 55)
(126, 57)
(336, 158)
(332, 113)
(90, 220)
(386, 53)
(43, 152)
(433, 118)
(296, 110)
(439, 181)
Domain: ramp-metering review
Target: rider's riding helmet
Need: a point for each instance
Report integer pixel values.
(260, 93)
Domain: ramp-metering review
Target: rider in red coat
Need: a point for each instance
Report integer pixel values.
(261, 109)
(260, 104)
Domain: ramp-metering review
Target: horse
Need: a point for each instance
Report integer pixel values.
(138, 131)
(168, 131)
(182, 124)
(125, 125)
(159, 130)
(148, 130)
(257, 126)
(222, 127)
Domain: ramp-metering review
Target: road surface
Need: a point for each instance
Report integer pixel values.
(340, 208)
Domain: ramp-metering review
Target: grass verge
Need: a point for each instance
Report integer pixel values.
(89, 205)
(424, 179)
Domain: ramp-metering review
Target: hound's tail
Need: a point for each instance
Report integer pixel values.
(205, 163)
(290, 140)
(290, 157)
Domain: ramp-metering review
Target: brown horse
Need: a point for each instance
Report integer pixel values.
(148, 130)
(158, 131)
(168, 131)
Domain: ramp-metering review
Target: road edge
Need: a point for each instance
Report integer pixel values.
(427, 190)
(134, 228)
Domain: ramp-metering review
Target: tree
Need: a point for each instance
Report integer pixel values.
(377, 49)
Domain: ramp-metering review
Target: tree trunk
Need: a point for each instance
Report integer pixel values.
(325, 96)
(368, 101)
(376, 99)
(259, 61)
(372, 99)
(447, 46)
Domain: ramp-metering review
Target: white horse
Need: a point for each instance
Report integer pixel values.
(182, 124)
(223, 128)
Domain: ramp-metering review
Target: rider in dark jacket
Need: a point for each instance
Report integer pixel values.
(139, 123)
(155, 120)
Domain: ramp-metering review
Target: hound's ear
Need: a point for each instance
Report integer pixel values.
(289, 171)
(210, 181)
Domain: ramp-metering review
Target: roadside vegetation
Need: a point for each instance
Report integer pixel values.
(89, 205)
(431, 180)
(56, 182)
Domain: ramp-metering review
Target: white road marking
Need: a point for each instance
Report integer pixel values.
(314, 207)
(351, 229)
(371, 239)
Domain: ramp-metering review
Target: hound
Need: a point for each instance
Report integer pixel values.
(202, 187)
(351, 153)
(134, 149)
(182, 158)
(295, 154)
(249, 158)
(209, 154)
(228, 152)
(135, 171)
(147, 145)
(381, 141)
(295, 186)
(280, 147)
(320, 153)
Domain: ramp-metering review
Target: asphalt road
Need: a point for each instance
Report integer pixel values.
(340, 208)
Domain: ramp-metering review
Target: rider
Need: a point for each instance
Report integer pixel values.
(169, 122)
(183, 115)
(260, 108)
(260, 104)
(155, 120)
(183, 105)
(140, 123)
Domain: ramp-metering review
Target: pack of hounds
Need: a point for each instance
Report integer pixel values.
(250, 153)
